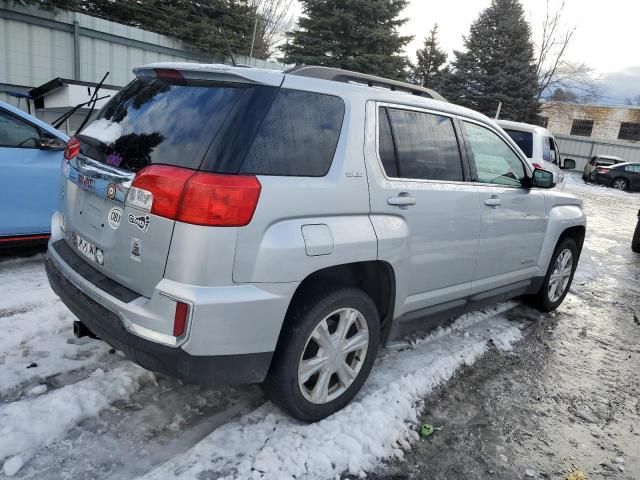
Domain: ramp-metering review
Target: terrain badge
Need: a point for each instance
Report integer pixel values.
(142, 222)
(114, 217)
(111, 191)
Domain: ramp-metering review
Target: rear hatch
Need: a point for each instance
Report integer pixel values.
(166, 121)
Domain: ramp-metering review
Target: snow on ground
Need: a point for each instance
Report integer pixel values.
(377, 424)
(81, 412)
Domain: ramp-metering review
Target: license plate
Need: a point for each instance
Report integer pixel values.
(85, 248)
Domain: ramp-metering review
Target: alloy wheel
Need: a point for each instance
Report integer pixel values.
(620, 184)
(559, 279)
(333, 355)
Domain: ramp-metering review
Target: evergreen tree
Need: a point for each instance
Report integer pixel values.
(359, 35)
(429, 68)
(498, 64)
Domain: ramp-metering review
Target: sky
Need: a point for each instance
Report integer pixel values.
(606, 36)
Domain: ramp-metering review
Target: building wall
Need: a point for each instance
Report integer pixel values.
(37, 46)
(606, 119)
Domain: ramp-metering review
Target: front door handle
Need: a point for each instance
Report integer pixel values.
(403, 200)
(493, 201)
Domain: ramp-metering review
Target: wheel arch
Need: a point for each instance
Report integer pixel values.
(376, 278)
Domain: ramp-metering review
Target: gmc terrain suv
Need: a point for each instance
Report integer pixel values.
(226, 224)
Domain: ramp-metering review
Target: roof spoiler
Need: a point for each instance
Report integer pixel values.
(213, 71)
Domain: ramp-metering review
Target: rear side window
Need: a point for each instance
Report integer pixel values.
(298, 136)
(425, 145)
(524, 140)
(386, 147)
(159, 121)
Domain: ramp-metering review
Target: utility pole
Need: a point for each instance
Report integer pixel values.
(498, 111)
(255, 27)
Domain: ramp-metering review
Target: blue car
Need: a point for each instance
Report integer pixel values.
(31, 152)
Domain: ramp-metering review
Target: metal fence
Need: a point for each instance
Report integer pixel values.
(582, 149)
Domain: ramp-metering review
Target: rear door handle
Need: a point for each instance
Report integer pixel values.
(493, 202)
(403, 200)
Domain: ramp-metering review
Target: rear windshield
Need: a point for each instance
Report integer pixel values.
(221, 128)
(524, 140)
(606, 162)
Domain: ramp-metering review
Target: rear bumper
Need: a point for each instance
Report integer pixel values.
(214, 369)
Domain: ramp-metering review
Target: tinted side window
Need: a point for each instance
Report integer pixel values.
(298, 136)
(16, 133)
(426, 145)
(524, 140)
(546, 149)
(386, 147)
(495, 162)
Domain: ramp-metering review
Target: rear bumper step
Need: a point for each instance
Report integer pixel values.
(175, 362)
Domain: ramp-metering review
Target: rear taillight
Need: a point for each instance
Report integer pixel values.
(537, 165)
(180, 319)
(72, 149)
(197, 198)
(602, 170)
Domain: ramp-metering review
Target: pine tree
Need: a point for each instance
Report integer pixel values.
(498, 64)
(359, 35)
(429, 68)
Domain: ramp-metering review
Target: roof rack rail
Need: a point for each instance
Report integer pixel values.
(347, 76)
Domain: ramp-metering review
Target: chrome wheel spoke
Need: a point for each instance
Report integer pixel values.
(309, 367)
(346, 374)
(320, 391)
(347, 318)
(559, 278)
(358, 341)
(322, 336)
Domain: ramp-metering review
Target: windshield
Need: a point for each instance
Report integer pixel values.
(159, 121)
(524, 140)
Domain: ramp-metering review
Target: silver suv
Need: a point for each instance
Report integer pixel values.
(227, 225)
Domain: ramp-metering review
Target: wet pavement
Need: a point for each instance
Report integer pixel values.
(568, 396)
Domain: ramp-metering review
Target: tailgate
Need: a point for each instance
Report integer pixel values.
(128, 245)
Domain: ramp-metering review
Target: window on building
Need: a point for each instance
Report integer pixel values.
(582, 128)
(629, 131)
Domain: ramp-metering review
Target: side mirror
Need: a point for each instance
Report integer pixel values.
(569, 164)
(50, 144)
(542, 179)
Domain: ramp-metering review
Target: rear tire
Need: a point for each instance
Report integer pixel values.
(620, 183)
(635, 242)
(558, 278)
(314, 373)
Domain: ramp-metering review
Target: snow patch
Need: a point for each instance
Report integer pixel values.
(378, 424)
(104, 130)
(30, 423)
(12, 465)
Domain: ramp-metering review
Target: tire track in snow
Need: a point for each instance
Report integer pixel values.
(27, 425)
(268, 444)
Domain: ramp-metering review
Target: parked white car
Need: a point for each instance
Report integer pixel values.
(538, 145)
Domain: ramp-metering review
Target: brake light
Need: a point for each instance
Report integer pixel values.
(198, 198)
(602, 170)
(72, 149)
(180, 319)
(537, 165)
(169, 74)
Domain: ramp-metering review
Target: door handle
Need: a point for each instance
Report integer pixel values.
(403, 200)
(493, 201)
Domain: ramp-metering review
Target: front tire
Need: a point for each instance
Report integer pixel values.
(325, 352)
(558, 278)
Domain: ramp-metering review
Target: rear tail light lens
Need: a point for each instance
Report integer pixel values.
(180, 319)
(197, 198)
(72, 149)
(602, 170)
(537, 165)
